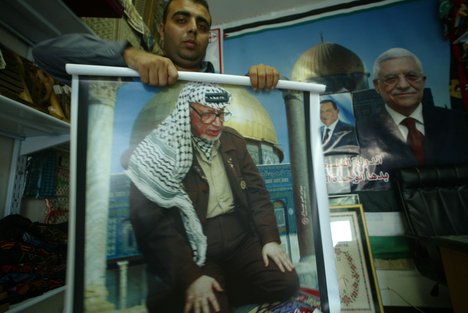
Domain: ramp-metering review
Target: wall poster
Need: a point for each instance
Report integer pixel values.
(115, 119)
(337, 46)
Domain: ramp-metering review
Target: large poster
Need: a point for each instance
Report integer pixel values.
(118, 255)
(338, 47)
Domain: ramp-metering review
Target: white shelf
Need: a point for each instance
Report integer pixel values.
(24, 23)
(33, 304)
(36, 129)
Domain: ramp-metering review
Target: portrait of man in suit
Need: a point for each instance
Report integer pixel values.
(408, 132)
(338, 137)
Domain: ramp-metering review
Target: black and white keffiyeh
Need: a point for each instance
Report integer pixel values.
(160, 162)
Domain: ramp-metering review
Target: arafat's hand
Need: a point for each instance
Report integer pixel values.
(200, 295)
(263, 77)
(274, 251)
(154, 69)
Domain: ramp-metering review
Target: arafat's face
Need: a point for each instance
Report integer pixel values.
(211, 131)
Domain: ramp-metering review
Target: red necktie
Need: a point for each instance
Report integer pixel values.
(415, 139)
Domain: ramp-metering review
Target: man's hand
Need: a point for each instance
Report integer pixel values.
(200, 294)
(274, 251)
(263, 77)
(154, 69)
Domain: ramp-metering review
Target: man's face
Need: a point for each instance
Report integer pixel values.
(328, 113)
(401, 84)
(185, 34)
(211, 131)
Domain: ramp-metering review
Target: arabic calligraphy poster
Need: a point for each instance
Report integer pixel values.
(347, 169)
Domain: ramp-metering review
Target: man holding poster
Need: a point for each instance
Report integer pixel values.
(184, 36)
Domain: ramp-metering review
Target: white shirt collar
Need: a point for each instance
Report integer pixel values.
(398, 117)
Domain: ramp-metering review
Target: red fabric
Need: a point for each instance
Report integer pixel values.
(454, 31)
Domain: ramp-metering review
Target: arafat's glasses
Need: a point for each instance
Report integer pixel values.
(209, 117)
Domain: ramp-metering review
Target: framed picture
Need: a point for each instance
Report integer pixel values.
(357, 280)
(344, 199)
(113, 113)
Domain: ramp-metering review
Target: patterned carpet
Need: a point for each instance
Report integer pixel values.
(306, 301)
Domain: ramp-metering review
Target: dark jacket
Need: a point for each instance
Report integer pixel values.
(342, 140)
(445, 142)
(53, 54)
(160, 233)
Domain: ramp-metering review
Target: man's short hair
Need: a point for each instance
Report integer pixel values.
(395, 53)
(166, 8)
(330, 101)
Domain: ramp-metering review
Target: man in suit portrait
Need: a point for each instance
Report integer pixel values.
(338, 137)
(408, 132)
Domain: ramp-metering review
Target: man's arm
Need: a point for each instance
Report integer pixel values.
(153, 69)
(53, 54)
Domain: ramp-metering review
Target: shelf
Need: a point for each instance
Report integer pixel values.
(32, 304)
(23, 24)
(37, 20)
(36, 129)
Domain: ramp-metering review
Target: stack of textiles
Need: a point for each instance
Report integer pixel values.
(32, 258)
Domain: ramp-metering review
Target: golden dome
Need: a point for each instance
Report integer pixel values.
(154, 112)
(249, 118)
(326, 59)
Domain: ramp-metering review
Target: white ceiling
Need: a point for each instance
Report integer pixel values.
(236, 12)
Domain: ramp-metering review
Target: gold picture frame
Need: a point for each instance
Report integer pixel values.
(357, 279)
